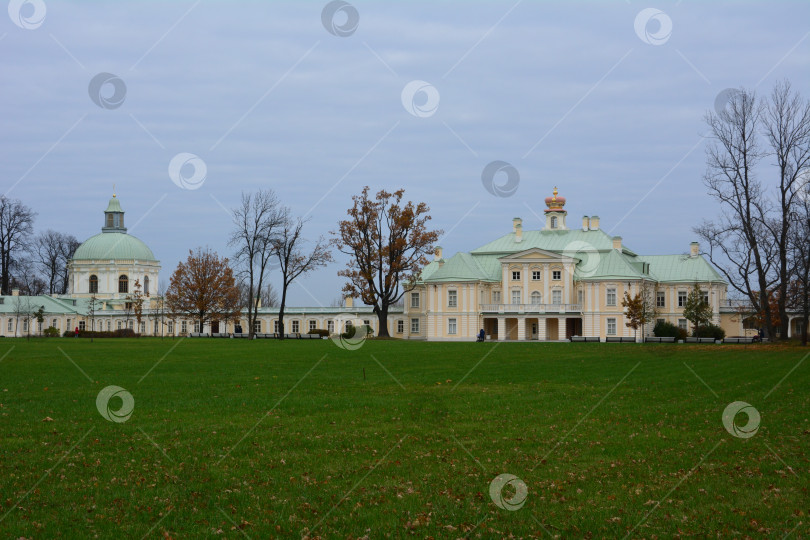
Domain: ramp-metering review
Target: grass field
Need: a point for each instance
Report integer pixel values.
(303, 439)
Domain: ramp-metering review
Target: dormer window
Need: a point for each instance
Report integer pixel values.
(93, 284)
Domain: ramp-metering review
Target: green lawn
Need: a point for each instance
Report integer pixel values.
(302, 438)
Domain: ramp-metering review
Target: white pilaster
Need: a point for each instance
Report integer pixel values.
(501, 328)
(521, 333)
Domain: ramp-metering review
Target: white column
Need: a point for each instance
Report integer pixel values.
(560, 328)
(546, 298)
(521, 333)
(541, 329)
(565, 299)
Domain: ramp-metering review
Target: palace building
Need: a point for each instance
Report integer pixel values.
(535, 285)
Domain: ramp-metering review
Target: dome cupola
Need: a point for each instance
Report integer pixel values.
(555, 213)
(114, 217)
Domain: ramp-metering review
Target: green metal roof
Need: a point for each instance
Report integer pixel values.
(114, 206)
(594, 249)
(113, 245)
(681, 268)
(563, 240)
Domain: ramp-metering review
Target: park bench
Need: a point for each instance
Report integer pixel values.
(699, 340)
(198, 334)
(585, 339)
(241, 335)
(619, 339)
(745, 340)
(220, 334)
(265, 336)
(654, 339)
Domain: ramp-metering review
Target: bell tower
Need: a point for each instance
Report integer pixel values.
(555, 213)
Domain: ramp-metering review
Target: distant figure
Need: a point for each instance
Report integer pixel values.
(76, 332)
(481, 335)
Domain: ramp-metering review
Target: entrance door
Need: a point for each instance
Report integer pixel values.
(215, 327)
(534, 330)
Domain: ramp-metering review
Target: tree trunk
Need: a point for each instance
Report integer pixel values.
(382, 318)
(281, 309)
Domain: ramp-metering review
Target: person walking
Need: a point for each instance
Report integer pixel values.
(76, 332)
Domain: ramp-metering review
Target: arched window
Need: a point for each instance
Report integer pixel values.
(93, 284)
(553, 222)
(146, 285)
(123, 284)
(109, 220)
(537, 298)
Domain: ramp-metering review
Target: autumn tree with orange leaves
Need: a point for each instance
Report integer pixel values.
(203, 288)
(387, 241)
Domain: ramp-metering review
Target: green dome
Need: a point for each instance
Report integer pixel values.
(113, 245)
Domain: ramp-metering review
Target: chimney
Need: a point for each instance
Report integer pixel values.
(518, 233)
(585, 223)
(15, 292)
(516, 222)
(348, 301)
(694, 249)
(594, 223)
(437, 254)
(617, 243)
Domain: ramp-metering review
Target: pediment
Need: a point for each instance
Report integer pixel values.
(536, 254)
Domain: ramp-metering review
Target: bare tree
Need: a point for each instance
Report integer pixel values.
(787, 128)
(69, 246)
(52, 251)
(256, 223)
(48, 251)
(293, 260)
(24, 277)
(16, 227)
(739, 243)
(92, 307)
(799, 292)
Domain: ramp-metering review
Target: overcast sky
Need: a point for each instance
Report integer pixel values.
(604, 100)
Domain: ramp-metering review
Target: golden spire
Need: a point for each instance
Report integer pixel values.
(114, 191)
(555, 194)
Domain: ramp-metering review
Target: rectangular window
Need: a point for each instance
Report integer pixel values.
(295, 327)
(414, 326)
(82, 325)
(611, 297)
(660, 299)
(400, 326)
(171, 327)
(681, 298)
(330, 326)
(611, 327)
(451, 326)
(556, 297)
(580, 297)
(706, 298)
(143, 327)
(183, 327)
(452, 298)
(682, 324)
(311, 325)
(535, 275)
(275, 327)
(496, 297)
(659, 320)
(414, 300)
(11, 325)
(196, 326)
(69, 326)
(367, 322)
(53, 323)
(257, 326)
(556, 275)
(515, 297)
(515, 275)
(128, 305)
